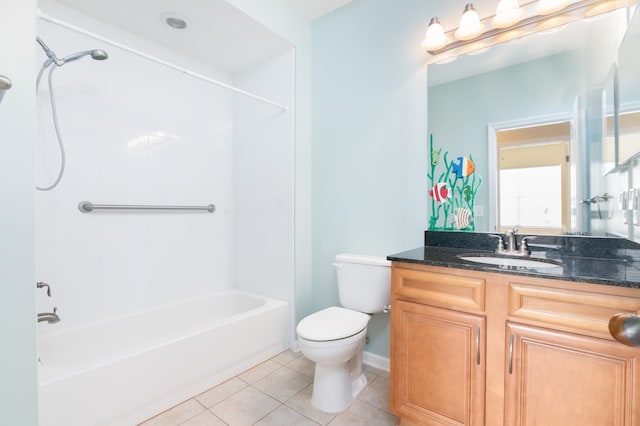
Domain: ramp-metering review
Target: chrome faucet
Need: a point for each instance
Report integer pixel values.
(41, 284)
(50, 317)
(512, 248)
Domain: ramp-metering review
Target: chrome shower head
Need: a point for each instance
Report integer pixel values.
(97, 54)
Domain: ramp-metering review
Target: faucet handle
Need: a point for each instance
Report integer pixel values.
(41, 284)
(524, 247)
(500, 241)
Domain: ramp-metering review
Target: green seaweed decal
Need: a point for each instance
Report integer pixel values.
(453, 193)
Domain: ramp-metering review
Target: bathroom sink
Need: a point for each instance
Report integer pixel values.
(510, 261)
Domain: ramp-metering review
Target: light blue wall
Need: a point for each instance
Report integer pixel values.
(369, 140)
(18, 384)
(460, 111)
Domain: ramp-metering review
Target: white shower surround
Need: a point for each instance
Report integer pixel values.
(136, 132)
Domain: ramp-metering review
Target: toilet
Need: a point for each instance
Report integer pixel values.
(334, 338)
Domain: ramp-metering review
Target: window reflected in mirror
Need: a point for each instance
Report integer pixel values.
(533, 178)
(629, 135)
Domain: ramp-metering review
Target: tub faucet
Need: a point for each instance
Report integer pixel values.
(50, 317)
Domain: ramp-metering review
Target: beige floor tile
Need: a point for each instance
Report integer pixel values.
(303, 365)
(176, 415)
(384, 374)
(245, 407)
(370, 376)
(259, 371)
(283, 384)
(377, 393)
(302, 403)
(204, 419)
(363, 414)
(286, 357)
(285, 416)
(218, 393)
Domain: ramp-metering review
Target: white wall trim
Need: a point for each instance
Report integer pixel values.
(376, 361)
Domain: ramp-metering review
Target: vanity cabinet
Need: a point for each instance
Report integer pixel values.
(442, 367)
(557, 378)
(478, 348)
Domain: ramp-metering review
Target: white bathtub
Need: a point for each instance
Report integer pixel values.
(127, 369)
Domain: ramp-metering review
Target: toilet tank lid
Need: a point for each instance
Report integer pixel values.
(362, 259)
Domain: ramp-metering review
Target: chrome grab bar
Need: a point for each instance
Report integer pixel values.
(88, 207)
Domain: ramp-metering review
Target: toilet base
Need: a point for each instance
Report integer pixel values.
(333, 389)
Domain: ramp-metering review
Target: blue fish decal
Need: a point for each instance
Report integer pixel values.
(464, 167)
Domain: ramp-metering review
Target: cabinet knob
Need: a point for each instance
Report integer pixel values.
(625, 328)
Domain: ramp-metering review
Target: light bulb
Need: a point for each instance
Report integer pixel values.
(435, 38)
(470, 25)
(546, 7)
(507, 14)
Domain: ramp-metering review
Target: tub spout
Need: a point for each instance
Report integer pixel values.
(50, 317)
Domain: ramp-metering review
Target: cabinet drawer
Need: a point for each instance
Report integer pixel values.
(581, 311)
(446, 290)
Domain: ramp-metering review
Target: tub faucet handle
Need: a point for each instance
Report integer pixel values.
(41, 284)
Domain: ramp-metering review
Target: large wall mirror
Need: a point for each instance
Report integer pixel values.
(529, 112)
(629, 92)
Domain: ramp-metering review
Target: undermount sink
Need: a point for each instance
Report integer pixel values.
(510, 261)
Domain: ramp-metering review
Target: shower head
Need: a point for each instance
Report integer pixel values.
(99, 55)
(96, 54)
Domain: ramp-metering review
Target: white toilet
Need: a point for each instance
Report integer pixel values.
(334, 338)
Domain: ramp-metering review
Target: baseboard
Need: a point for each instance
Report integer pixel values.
(376, 361)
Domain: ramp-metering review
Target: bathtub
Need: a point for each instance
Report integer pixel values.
(127, 369)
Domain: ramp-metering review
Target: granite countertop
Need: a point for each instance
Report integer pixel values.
(596, 260)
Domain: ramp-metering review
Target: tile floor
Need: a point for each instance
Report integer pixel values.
(278, 392)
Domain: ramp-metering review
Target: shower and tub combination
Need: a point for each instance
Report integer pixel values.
(156, 305)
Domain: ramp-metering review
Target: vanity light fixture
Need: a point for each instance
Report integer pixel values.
(508, 13)
(545, 7)
(470, 26)
(511, 21)
(435, 38)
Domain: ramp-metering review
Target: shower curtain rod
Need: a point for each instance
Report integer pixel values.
(94, 36)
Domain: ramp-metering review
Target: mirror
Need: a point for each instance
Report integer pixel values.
(539, 80)
(629, 92)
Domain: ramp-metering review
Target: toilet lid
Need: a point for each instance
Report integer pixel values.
(332, 324)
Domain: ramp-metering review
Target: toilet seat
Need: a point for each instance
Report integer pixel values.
(332, 323)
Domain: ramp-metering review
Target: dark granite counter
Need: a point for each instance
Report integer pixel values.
(597, 260)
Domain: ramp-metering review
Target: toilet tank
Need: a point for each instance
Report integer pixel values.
(364, 282)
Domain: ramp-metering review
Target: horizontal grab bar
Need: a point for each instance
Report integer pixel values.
(88, 207)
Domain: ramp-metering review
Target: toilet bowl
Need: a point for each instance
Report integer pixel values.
(334, 338)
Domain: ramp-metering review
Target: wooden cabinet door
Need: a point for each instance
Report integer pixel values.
(438, 365)
(561, 379)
